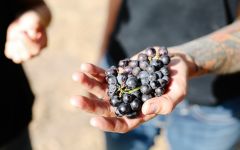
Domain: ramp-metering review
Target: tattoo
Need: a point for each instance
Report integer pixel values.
(218, 52)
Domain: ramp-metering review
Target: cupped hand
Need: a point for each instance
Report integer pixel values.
(26, 37)
(92, 78)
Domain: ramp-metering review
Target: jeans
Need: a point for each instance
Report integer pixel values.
(188, 127)
(21, 142)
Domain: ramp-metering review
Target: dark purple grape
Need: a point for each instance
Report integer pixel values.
(124, 108)
(143, 65)
(160, 75)
(137, 94)
(163, 51)
(150, 69)
(150, 52)
(111, 71)
(136, 71)
(133, 63)
(132, 82)
(136, 104)
(127, 98)
(164, 71)
(145, 89)
(159, 92)
(118, 113)
(122, 78)
(143, 74)
(142, 57)
(144, 81)
(123, 63)
(112, 80)
(128, 69)
(115, 101)
(154, 84)
(146, 97)
(165, 59)
(162, 82)
(133, 115)
(157, 63)
(166, 78)
(112, 89)
(152, 77)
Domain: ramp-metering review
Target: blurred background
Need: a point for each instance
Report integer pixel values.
(74, 37)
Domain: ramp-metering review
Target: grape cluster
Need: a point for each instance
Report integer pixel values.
(135, 81)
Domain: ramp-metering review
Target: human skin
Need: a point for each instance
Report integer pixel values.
(26, 35)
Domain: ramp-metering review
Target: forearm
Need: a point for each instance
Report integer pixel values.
(218, 52)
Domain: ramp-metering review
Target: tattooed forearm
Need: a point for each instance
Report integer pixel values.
(218, 52)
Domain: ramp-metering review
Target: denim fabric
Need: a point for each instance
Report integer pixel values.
(188, 127)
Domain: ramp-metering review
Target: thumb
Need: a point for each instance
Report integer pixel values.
(158, 105)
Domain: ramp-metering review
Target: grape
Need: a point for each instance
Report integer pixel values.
(164, 71)
(132, 82)
(122, 78)
(136, 104)
(145, 81)
(136, 81)
(136, 71)
(133, 63)
(151, 52)
(159, 92)
(145, 89)
(154, 84)
(112, 80)
(115, 101)
(143, 74)
(157, 64)
(152, 77)
(146, 97)
(124, 108)
(123, 63)
(165, 59)
(150, 69)
(142, 57)
(128, 69)
(143, 65)
(163, 51)
(127, 98)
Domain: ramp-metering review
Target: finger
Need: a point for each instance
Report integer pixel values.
(94, 71)
(91, 85)
(119, 125)
(12, 52)
(94, 106)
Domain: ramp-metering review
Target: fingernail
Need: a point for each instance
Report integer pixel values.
(149, 109)
(93, 122)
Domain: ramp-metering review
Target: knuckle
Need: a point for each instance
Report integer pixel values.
(167, 107)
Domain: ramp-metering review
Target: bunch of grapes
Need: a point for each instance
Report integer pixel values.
(135, 81)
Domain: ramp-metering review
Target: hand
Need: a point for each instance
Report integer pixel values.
(92, 78)
(26, 37)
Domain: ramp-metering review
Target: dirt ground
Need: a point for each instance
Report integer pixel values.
(74, 37)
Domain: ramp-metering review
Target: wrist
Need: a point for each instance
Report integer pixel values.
(192, 67)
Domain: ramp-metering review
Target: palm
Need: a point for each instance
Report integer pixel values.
(93, 79)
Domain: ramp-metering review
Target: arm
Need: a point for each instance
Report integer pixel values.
(26, 35)
(217, 53)
(113, 10)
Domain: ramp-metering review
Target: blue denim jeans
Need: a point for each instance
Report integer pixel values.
(188, 127)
